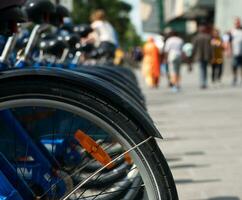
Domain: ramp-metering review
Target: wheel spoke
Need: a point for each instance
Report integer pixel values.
(77, 171)
(102, 168)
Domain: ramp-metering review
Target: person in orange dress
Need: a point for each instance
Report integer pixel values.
(151, 63)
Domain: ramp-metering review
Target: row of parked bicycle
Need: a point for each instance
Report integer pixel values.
(70, 129)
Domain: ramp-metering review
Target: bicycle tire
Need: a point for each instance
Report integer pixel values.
(155, 167)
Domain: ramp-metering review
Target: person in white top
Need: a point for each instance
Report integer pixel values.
(105, 31)
(173, 51)
(236, 43)
(104, 35)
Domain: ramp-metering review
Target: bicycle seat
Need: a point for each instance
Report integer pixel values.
(53, 46)
(39, 11)
(10, 3)
(57, 17)
(12, 14)
(83, 30)
(9, 17)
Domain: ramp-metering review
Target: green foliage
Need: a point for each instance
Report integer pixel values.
(117, 14)
(131, 37)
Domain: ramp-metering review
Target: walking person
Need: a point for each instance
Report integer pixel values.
(151, 63)
(202, 53)
(217, 56)
(173, 55)
(104, 35)
(164, 65)
(236, 43)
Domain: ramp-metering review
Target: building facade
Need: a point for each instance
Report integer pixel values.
(225, 12)
(173, 9)
(151, 15)
(189, 9)
(183, 15)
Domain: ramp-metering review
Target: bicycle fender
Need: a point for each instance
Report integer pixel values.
(116, 97)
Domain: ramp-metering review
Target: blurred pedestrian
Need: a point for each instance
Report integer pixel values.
(104, 35)
(173, 52)
(236, 43)
(227, 39)
(217, 56)
(187, 51)
(164, 65)
(119, 57)
(202, 53)
(137, 54)
(151, 63)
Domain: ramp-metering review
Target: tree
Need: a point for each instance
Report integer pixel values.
(117, 14)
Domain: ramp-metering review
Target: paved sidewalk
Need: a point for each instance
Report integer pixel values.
(203, 137)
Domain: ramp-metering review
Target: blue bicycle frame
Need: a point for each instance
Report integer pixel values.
(30, 170)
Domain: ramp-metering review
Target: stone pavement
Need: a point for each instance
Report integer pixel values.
(202, 133)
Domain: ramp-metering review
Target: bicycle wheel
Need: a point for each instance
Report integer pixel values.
(51, 134)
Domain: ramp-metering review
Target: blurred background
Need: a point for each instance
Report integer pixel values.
(136, 19)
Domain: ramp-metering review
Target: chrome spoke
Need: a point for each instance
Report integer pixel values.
(73, 174)
(102, 168)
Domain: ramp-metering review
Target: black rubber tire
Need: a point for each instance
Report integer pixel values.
(118, 76)
(132, 93)
(123, 71)
(149, 153)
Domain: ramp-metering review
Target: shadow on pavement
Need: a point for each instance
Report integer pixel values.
(224, 198)
(189, 181)
(194, 153)
(175, 159)
(189, 153)
(182, 166)
(173, 139)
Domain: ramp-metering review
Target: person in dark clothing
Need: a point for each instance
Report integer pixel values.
(202, 53)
